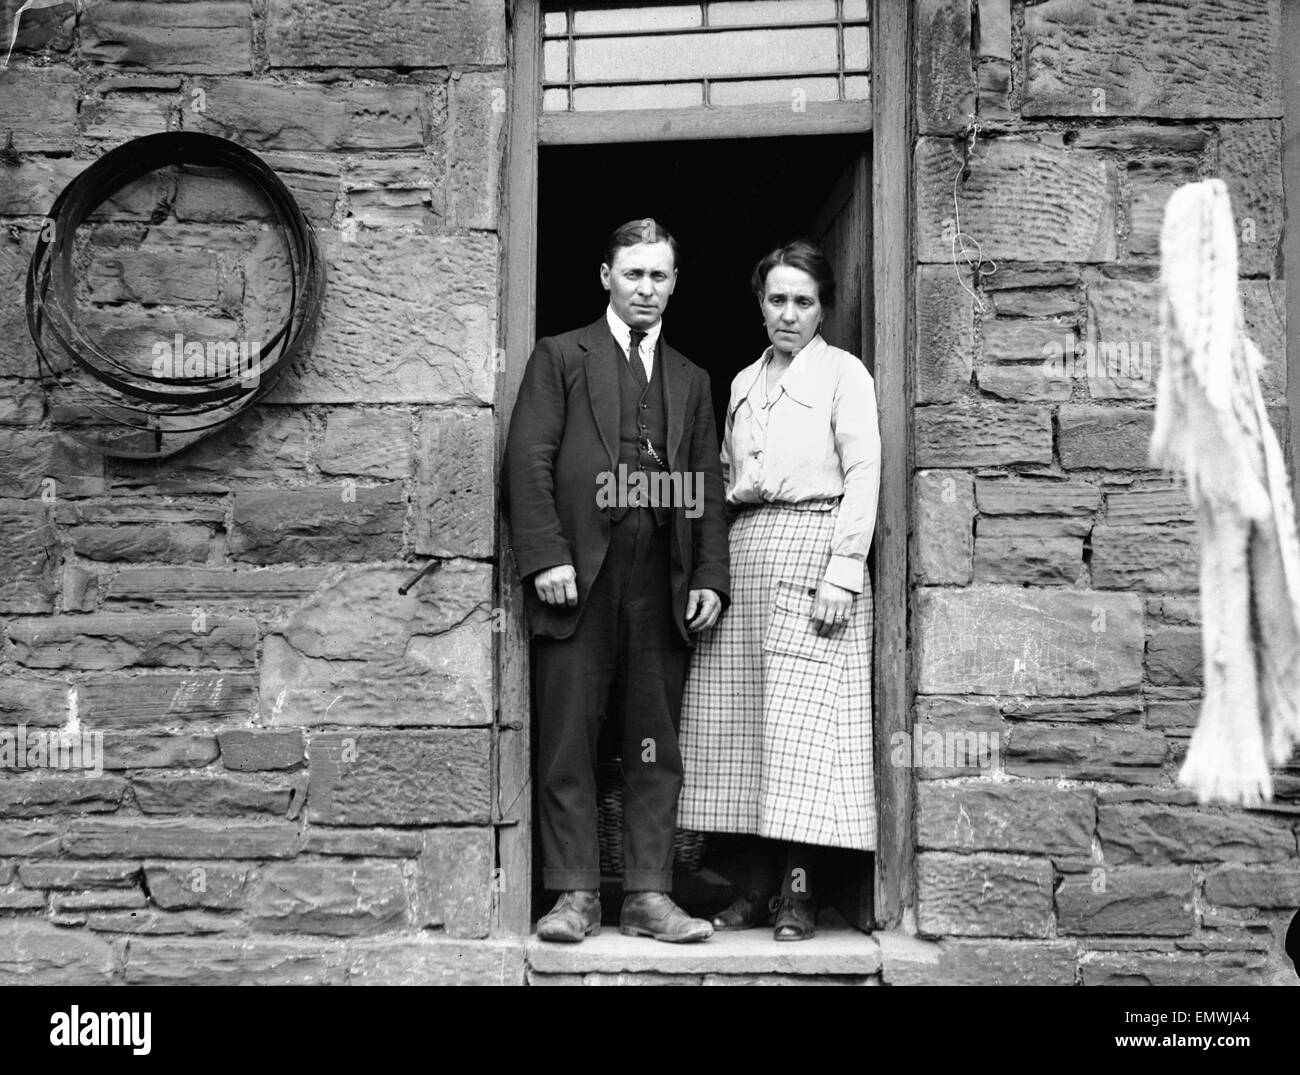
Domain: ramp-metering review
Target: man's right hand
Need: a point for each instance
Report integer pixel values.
(557, 585)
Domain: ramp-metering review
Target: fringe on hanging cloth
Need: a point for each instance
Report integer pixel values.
(1211, 425)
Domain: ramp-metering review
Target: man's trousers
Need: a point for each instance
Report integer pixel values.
(625, 661)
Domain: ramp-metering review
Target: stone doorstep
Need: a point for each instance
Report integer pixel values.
(837, 952)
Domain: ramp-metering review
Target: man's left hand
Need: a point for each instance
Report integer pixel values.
(703, 607)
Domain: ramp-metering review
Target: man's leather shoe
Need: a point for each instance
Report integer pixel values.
(749, 910)
(653, 914)
(575, 915)
(796, 920)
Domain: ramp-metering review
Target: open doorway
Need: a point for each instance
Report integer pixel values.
(727, 202)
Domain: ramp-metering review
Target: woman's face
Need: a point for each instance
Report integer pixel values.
(792, 309)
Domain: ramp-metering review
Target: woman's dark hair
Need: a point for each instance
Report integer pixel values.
(798, 254)
(641, 230)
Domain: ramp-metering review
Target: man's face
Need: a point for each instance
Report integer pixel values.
(639, 282)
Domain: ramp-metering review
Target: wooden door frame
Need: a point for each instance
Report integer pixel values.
(888, 298)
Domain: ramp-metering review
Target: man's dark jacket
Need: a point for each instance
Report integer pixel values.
(565, 432)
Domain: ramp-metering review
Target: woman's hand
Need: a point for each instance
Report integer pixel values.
(832, 608)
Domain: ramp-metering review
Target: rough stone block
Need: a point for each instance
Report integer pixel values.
(360, 654)
(990, 436)
(943, 504)
(28, 557)
(46, 793)
(1173, 968)
(36, 953)
(945, 81)
(203, 587)
(1028, 559)
(457, 881)
(79, 875)
(407, 33)
(1025, 200)
(316, 118)
(1156, 833)
(1162, 558)
(337, 899)
(1011, 497)
(211, 37)
(1103, 438)
(143, 701)
(1031, 818)
(982, 894)
(910, 961)
(40, 107)
(367, 843)
(266, 445)
(408, 961)
(1099, 59)
(242, 961)
(174, 544)
(1174, 656)
(1035, 302)
(1007, 640)
(400, 778)
(409, 319)
(1250, 162)
(1244, 886)
(275, 526)
(1129, 900)
(221, 886)
(455, 509)
(1086, 752)
(218, 796)
(114, 640)
(950, 737)
(180, 838)
(945, 334)
(476, 106)
(251, 750)
(43, 464)
(1024, 383)
(373, 443)
(25, 839)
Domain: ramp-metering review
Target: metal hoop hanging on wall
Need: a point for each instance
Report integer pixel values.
(145, 414)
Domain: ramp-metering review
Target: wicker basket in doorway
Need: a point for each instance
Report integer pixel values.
(688, 846)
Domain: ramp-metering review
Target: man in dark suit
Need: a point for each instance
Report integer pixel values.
(616, 582)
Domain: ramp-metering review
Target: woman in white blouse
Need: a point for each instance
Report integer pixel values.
(776, 734)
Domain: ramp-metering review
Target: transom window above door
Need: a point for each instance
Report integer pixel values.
(714, 55)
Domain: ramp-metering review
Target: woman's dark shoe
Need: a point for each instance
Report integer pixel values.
(748, 911)
(796, 920)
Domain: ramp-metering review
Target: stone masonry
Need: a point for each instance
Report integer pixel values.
(1055, 600)
(297, 778)
(298, 781)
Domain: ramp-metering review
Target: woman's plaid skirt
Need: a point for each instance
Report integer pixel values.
(776, 731)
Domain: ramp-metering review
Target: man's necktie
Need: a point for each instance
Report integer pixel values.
(634, 359)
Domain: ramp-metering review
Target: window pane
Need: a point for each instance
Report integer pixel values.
(556, 24)
(855, 10)
(646, 95)
(555, 61)
(857, 49)
(780, 12)
(556, 100)
(677, 17)
(730, 52)
(774, 91)
(857, 88)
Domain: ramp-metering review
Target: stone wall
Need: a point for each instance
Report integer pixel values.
(297, 778)
(1055, 609)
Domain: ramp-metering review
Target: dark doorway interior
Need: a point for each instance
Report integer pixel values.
(727, 203)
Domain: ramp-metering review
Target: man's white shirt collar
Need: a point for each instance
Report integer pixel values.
(623, 335)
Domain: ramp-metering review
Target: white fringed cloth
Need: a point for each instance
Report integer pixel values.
(1211, 425)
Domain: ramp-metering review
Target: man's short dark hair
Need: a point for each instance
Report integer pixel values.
(642, 230)
(798, 254)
